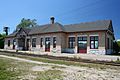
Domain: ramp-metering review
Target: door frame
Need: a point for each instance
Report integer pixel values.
(14, 43)
(21, 43)
(28, 44)
(47, 44)
(82, 38)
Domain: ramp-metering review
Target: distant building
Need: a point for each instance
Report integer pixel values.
(84, 38)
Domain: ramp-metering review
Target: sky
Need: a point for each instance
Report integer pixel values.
(64, 11)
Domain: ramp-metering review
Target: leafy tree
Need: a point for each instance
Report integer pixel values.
(118, 42)
(2, 37)
(116, 47)
(26, 23)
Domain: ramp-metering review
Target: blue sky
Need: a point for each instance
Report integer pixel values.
(64, 11)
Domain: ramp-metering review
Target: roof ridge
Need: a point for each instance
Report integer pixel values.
(87, 22)
(61, 26)
(57, 27)
(45, 27)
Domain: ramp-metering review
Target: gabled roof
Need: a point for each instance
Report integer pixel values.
(57, 27)
(88, 26)
(12, 34)
(26, 30)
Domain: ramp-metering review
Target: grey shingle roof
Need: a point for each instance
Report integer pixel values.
(88, 26)
(15, 32)
(57, 27)
(47, 28)
(12, 34)
(27, 30)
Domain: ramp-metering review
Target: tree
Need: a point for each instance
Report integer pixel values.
(116, 47)
(118, 42)
(26, 23)
(2, 37)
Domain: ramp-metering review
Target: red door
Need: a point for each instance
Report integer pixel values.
(82, 45)
(82, 51)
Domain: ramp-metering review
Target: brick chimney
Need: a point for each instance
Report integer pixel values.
(52, 20)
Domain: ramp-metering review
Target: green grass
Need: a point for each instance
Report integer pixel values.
(7, 74)
(69, 63)
(50, 75)
(17, 70)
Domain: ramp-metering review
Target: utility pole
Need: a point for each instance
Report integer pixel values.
(6, 30)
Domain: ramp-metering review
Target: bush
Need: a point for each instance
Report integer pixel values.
(116, 47)
(2, 37)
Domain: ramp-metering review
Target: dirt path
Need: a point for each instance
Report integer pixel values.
(74, 72)
(30, 61)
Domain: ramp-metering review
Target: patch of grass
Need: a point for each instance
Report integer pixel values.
(7, 74)
(50, 75)
(18, 70)
(62, 62)
(12, 69)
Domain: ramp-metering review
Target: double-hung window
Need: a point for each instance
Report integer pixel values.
(41, 42)
(34, 42)
(54, 42)
(71, 42)
(111, 44)
(108, 43)
(94, 42)
(8, 43)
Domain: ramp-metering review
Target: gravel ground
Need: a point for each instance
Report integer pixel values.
(75, 73)
(84, 73)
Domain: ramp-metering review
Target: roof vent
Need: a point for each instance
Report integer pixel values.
(52, 19)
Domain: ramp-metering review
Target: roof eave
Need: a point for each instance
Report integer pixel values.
(86, 31)
(45, 33)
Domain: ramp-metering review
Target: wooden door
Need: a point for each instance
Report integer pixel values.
(14, 43)
(28, 44)
(47, 44)
(82, 44)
